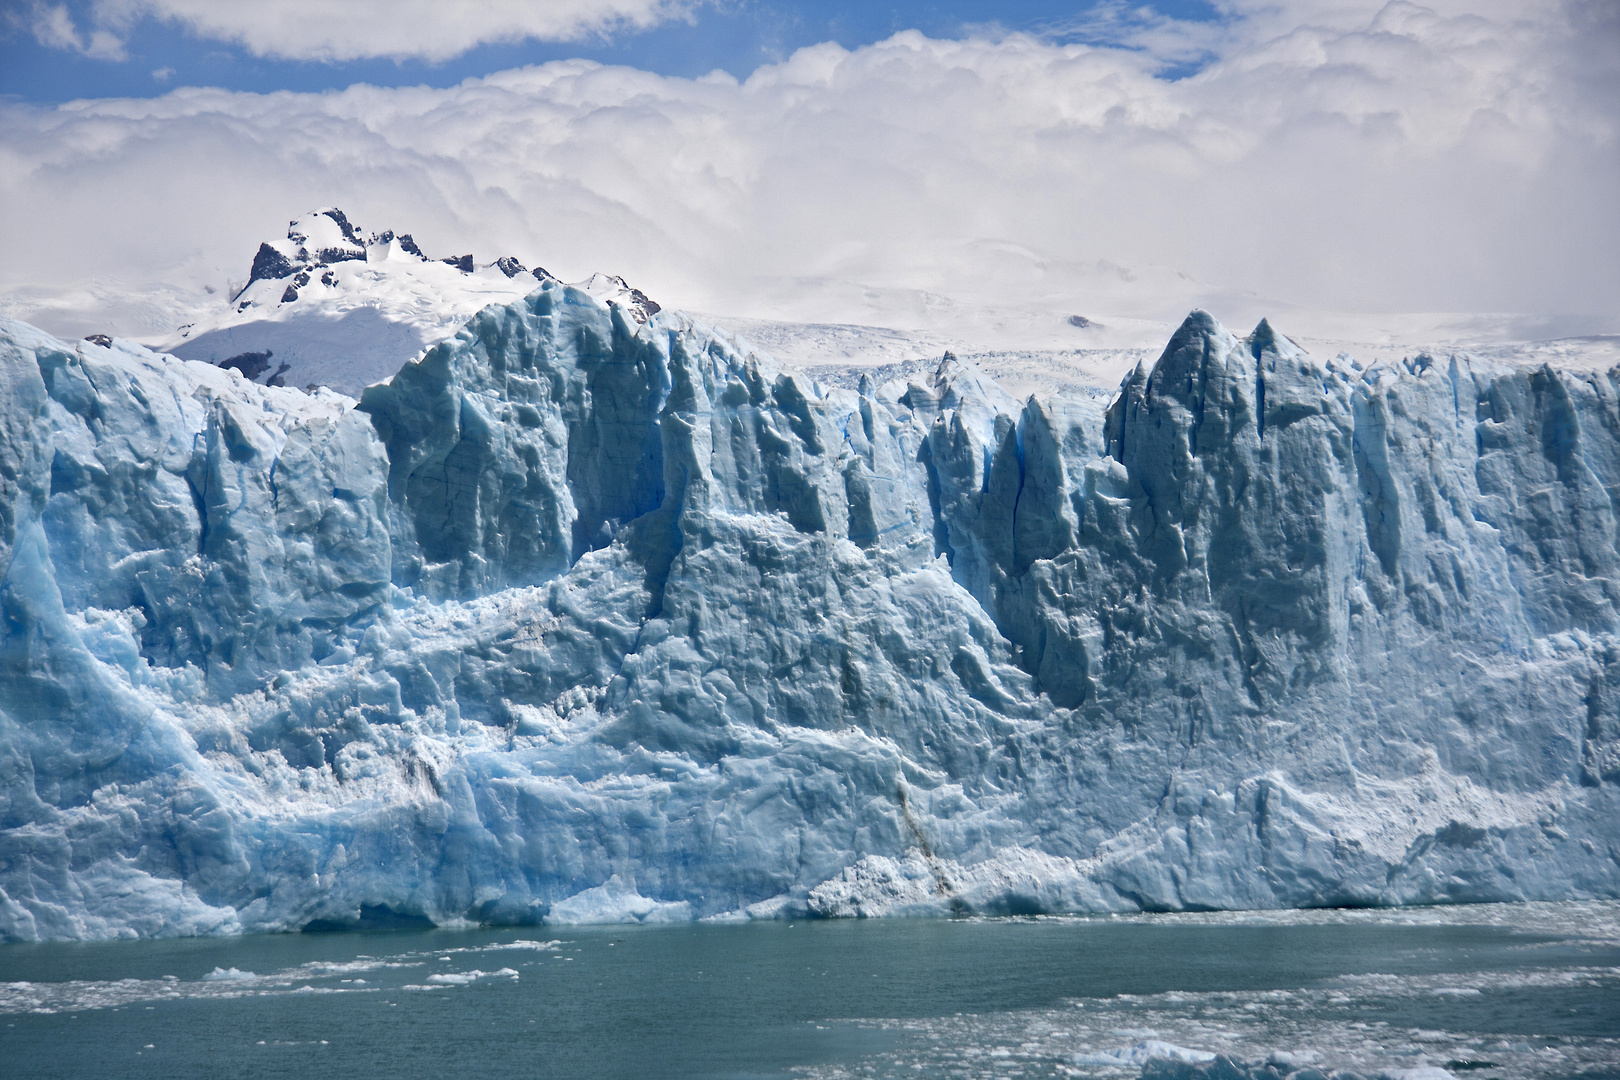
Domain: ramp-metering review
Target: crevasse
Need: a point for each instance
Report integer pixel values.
(579, 619)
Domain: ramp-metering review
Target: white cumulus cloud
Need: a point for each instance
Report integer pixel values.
(1389, 158)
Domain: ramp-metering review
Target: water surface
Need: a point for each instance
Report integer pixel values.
(1505, 992)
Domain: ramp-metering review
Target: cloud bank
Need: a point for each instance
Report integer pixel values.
(351, 30)
(1345, 157)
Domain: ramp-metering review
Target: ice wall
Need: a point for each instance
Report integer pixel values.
(577, 618)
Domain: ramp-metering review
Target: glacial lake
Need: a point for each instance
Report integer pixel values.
(1497, 992)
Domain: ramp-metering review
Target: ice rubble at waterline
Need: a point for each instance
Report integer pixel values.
(580, 619)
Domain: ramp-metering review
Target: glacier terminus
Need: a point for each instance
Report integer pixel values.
(580, 617)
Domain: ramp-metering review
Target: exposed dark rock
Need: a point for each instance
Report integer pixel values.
(464, 263)
(335, 254)
(644, 304)
(251, 364)
(343, 223)
(301, 279)
(542, 274)
(268, 264)
(509, 266)
(290, 294)
(328, 279)
(1080, 321)
(407, 244)
(99, 339)
(275, 380)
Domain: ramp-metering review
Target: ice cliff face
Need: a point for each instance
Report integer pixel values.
(580, 618)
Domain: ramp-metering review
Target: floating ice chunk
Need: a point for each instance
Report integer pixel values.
(1141, 1052)
(1290, 1060)
(1171, 1066)
(230, 974)
(466, 978)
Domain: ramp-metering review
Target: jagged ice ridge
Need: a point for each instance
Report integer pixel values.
(578, 618)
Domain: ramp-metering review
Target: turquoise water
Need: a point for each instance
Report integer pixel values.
(1502, 992)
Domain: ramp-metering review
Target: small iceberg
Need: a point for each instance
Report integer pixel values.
(1141, 1053)
(230, 974)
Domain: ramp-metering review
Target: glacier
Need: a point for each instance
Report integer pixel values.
(582, 618)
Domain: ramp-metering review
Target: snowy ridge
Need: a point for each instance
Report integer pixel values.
(578, 618)
(332, 306)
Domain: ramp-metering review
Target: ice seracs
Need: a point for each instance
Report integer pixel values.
(332, 305)
(580, 618)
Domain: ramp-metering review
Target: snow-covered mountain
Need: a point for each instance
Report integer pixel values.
(332, 306)
(578, 618)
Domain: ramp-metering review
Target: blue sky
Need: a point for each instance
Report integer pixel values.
(736, 36)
